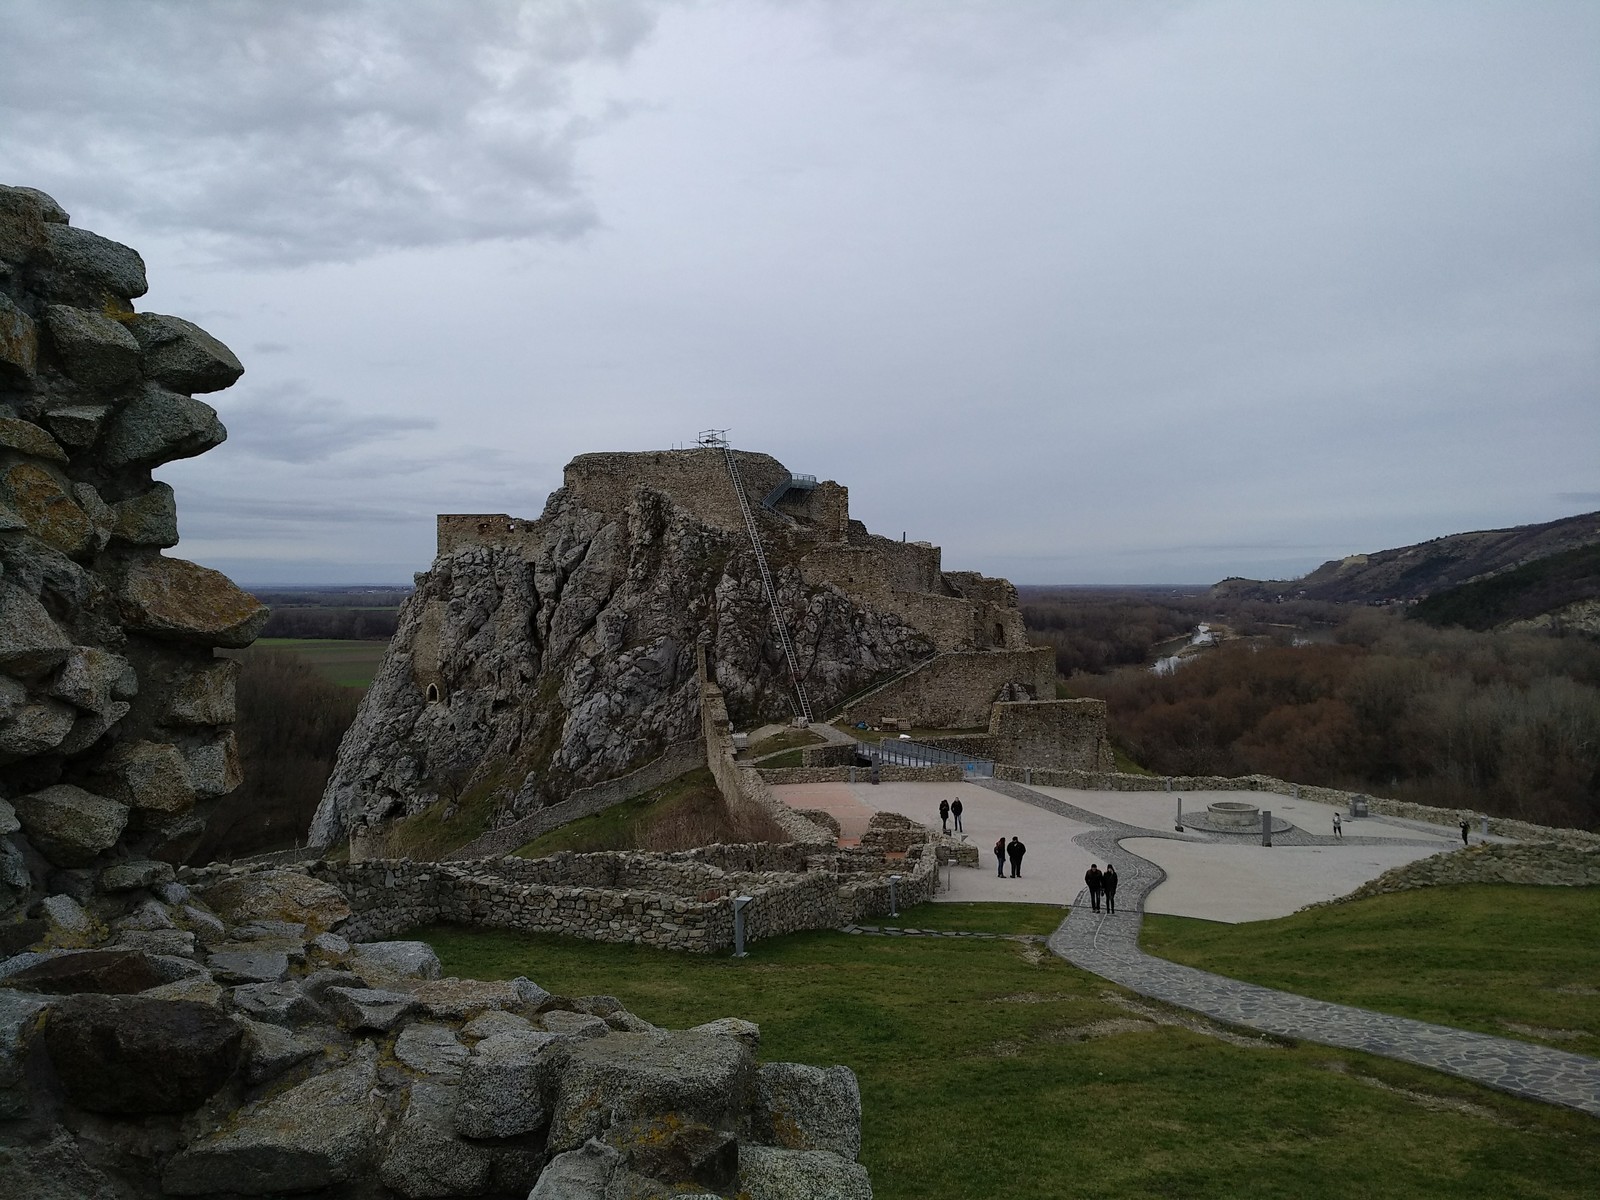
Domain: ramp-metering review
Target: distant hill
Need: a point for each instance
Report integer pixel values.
(1562, 590)
(1438, 566)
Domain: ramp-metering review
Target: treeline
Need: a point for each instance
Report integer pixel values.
(289, 725)
(1095, 630)
(348, 624)
(1497, 722)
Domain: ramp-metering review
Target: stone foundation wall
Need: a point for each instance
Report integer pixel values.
(680, 901)
(956, 691)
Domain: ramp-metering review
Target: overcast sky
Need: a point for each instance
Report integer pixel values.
(1083, 292)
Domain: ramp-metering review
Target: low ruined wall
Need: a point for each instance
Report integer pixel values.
(1544, 864)
(678, 759)
(957, 691)
(943, 773)
(1113, 781)
(679, 901)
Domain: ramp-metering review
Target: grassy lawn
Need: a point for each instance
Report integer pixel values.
(1513, 961)
(991, 1069)
(349, 664)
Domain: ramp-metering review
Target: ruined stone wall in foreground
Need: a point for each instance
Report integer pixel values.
(115, 713)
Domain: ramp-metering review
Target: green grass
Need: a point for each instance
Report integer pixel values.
(1473, 957)
(349, 664)
(975, 1081)
(624, 826)
(987, 917)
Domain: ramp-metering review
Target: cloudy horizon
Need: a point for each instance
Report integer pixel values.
(1119, 291)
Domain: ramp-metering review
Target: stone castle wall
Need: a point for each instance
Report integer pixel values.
(461, 531)
(743, 787)
(1051, 733)
(958, 690)
(695, 479)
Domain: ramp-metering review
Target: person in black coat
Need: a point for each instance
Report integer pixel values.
(1092, 878)
(944, 815)
(1016, 850)
(955, 811)
(1108, 882)
(1000, 857)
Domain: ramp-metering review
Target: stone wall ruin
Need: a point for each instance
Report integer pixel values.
(115, 713)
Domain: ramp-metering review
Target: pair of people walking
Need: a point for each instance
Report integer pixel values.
(1102, 884)
(948, 809)
(1014, 850)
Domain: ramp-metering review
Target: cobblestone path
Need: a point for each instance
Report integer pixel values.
(1109, 947)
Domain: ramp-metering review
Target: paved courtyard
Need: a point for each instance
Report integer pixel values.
(1217, 877)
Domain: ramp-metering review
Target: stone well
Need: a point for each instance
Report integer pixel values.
(1234, 814)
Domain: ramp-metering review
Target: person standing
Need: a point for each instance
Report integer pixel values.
(1016, 850)
(1092, 878)
(1338, 827)
(1108, 884)
(1464, 827)
(1000, 857)
(955, 811)
(944, 815)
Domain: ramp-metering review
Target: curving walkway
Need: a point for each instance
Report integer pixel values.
(1109, 947)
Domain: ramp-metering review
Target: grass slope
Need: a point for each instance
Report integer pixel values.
(991, 1069)
(626, 826)
(1490, 958)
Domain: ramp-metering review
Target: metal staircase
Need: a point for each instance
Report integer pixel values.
(799, 689)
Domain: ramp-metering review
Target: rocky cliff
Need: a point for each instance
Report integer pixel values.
(114, 711)
(537, 657)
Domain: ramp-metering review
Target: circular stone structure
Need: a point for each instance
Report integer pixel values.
(1234, 814)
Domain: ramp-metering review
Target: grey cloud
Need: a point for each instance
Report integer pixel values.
(1578, 497)
(270, 347)
(287, 424)
(294, 131)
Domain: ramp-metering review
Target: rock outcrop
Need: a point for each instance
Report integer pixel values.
(355, 1070)
(115, 713)
(536, 658)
